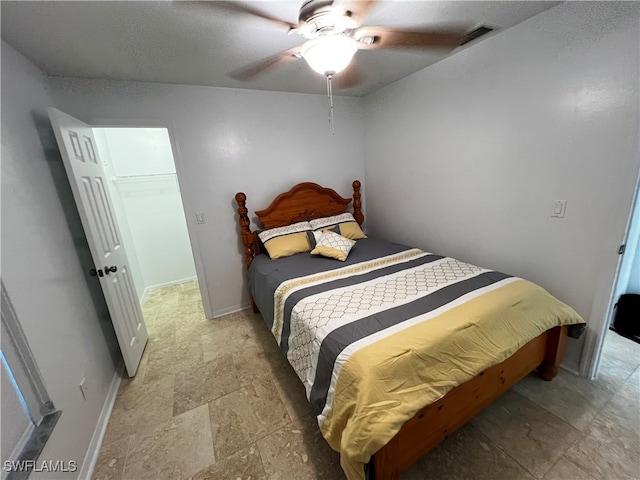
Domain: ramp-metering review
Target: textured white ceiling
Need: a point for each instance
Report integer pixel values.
(170, 42)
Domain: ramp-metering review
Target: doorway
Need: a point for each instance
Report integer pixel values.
(142, 181)
(144, 188)
(619, 357)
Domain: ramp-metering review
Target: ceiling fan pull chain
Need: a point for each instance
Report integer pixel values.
(330, 95)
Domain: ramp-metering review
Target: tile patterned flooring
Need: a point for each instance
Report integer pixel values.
(214, 399)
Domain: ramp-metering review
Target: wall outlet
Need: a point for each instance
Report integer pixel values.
(84, 388)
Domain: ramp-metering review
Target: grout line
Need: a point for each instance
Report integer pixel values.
(260, 457)
(126, 456)
(591, 477)
(499, 447)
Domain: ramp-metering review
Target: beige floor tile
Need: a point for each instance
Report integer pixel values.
(149, 317)
(620, 358)
(245, 415)
(162, 334)
(292, 393)
(193, 326)
(137, 394)
(252, 363)
(176, 449)
(298, 451)
(527, 432)
(622, 348)
(205, 382)
(233, 318)
(613, 372)
(190, 303)
(140, 406)
(245, 464)
(566, 470)
(611, 447)
(626, 403)
(110, 463)
(234, 338)
(571, 398)
(173, 359)
(468, 454)
(162, 298)
(255, 361)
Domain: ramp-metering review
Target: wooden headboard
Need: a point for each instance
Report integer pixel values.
(304, 201)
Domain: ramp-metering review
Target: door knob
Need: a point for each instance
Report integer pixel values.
(96, 273)
(111, 269)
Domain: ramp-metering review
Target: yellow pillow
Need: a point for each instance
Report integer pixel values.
(285, 241)
(332, 245)
(350, 230)
(343, 224)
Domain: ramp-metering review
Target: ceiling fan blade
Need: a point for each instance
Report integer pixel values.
(260, 67)
(243, 9)
(385, 37)
(359, 8)
(348, 78)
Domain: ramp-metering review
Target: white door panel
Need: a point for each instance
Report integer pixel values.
(87, 179)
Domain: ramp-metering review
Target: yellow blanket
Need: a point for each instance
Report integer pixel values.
(383, 384)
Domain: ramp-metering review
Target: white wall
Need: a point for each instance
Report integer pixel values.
(232, 140)
(466, 157)
(45, 264)
(140, 151)
(151, 206)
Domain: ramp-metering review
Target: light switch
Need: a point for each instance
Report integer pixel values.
(200, 218)
(559, 207)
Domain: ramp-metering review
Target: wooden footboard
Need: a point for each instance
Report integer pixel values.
(435, 422)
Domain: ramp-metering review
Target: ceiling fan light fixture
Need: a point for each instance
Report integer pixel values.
(329, 54)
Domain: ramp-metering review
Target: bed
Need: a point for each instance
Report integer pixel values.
(397, 347)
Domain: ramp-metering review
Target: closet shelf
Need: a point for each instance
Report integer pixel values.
(144, 177)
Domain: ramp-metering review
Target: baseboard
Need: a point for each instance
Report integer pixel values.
(93, 451)
(145, 294)
(151, 288)
(570, 369)
(229, 310)
(172, 282)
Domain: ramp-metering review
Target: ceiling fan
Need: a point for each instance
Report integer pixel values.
(334, 33)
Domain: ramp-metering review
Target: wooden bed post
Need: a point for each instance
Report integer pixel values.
(357, 203)
(556, 341)
(245, 232)
(247, 236)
